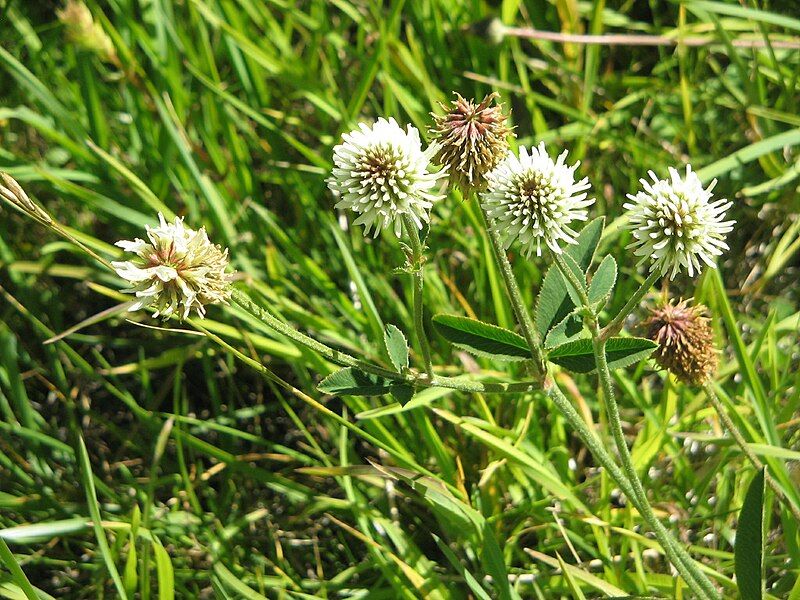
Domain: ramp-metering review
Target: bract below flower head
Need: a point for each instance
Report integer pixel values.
(535, 199)
(676, 225)
(382, 174)
(176, 270)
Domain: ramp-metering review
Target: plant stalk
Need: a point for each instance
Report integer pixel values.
(685, 564)
(615, 325)
(515, 296)
(730, 426)
(417, 259)
(627, 478)
(344, 359)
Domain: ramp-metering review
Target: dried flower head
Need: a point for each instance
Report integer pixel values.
(83, 31)
(675, 224)
(535, 199)
(685, 340)
(178, 270)
(473, 138)
(382, 174)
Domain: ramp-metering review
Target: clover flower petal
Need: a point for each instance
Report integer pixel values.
(676, 225)
(535, 199)
(176, 270)
(382, 173)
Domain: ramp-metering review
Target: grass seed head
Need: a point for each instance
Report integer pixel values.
(13, 193)
(83, 31)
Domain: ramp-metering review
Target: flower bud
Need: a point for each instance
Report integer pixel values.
(685, 341)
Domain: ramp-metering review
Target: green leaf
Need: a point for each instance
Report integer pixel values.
(603, 280)
(397, 347)
(17, 574)
(402, 392)
(578, 356)
(482, 339)
(568, 330)
(471, 581)
(494, 564)
(164, 571)
(795, 593)
(575, 294)
(554, 303)
(577, 593)
(748, 549)
(97, 522)
(352, 382)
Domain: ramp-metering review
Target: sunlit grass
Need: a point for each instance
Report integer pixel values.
(225, 483)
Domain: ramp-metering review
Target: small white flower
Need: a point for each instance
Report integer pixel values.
(533, 198)
(178, 270)
(382, 174)
(675, 224)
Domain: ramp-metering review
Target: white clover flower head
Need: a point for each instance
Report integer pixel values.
(176, 270)
(533, 198)
(382, 173)
(676, 225)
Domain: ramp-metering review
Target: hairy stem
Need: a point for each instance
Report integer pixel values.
(615, 325)
(417, 259)
(515, 296)
(344, 359)
(678, 555)
(730, 426)
(577, 285)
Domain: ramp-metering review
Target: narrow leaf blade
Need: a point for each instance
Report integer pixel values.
(482, 339)
(578, 356)
(352, 382)
(748, 549)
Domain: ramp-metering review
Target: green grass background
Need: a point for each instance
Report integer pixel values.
(212, 482)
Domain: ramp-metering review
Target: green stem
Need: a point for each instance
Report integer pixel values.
(601, 454)
(578, 286)
(334, 356)
(615, 326)
(730, 426)
(403, 457)
(515, 296)
(346, 360)
(687, 567)
(418, 275)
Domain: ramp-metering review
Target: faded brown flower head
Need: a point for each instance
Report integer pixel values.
(473, 138)
(685, 340)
